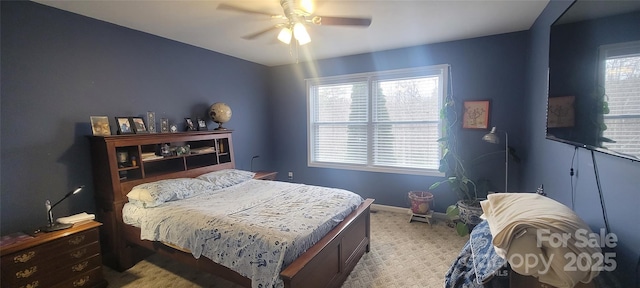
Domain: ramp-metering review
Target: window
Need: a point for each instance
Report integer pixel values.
(621, 85)
(384, 121)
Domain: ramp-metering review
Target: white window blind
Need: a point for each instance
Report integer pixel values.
(385, 121)
(621, 86)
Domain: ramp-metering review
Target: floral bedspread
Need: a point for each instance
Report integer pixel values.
(255, 228)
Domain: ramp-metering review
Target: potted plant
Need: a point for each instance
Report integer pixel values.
(467, 210)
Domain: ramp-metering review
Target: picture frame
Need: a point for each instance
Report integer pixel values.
(164, 125)
(151, 122)
(124, 125)
(100, 126)
(137, 123)
(202, 124)
(173, 128)
(475, 114)
(189, 124)
(561, 112)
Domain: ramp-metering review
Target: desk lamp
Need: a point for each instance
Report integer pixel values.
(491, 137)
(52, 226)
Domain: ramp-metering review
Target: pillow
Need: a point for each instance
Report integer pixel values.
(155, 193)
(226, 177)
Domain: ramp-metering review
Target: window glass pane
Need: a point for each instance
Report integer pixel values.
(622, 83)
(341, 144)
(407, 99)
(341, 102)
(407, 145)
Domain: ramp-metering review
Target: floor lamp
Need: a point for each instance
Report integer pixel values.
(491, 137)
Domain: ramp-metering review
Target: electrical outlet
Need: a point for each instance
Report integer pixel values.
(290, 175)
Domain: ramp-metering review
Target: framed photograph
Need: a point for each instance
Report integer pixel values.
(561, 112)
(138, 125)
(164, 125)
(100, 126)
(124, 125)
(189, 124)
(475, 114)
(202, 125)
(151, 122)
(173, 128)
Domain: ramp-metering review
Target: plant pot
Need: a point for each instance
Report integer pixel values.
(470, 211)
(420, 201)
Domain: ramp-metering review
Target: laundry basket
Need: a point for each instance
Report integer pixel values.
(420, 201)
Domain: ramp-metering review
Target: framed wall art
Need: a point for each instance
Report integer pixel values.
(476, 114)
(138, 125)
(561, 112)
(124, 125)
(100, 126)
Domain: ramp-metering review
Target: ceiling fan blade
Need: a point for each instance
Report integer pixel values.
(327, 20)
(224, 6)
(259, 33)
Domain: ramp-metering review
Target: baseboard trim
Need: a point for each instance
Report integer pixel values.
(404, 210)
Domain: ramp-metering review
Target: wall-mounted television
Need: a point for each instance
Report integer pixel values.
(594, 77)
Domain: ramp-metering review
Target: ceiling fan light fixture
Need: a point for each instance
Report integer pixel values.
(285, 35)
(306, 6)
(301, 34)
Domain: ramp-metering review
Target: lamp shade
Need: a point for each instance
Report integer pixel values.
(491, 137)
(58, 226)
(285, 35)
(301, 34)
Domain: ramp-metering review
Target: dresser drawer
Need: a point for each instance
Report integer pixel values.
(88, 279)
(51, 249)
(43, 277)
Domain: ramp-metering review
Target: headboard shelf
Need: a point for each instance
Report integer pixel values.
(121, 162)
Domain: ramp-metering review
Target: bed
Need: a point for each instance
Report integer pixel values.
(253, 227)
(520, 226)
(326, 261)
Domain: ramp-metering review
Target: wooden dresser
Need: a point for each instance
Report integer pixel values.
(65, 258)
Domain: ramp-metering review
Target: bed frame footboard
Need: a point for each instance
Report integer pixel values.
(331, 260)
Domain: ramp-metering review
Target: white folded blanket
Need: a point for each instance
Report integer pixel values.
(543, 238)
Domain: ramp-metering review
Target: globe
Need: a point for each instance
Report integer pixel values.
(220, 113)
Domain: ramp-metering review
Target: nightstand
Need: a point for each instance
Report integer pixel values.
(65, 258)
(265, 175)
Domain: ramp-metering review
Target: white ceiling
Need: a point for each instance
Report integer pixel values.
(395, 24)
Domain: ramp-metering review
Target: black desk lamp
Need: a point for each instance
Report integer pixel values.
(57, 226)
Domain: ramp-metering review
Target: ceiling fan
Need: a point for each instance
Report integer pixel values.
(297, 14)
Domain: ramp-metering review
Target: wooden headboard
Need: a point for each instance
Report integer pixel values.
(207, 151)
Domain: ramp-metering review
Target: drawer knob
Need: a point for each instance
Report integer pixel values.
(33, 284)
(24, 257)
(79, 253)
(81, 282)
(76, 240)
(27, 272)
(79, 267)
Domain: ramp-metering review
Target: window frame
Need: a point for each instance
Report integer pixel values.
(605, 52)
(441, 70)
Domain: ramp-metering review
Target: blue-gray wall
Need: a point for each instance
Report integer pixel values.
(549, 162)
(58, 69)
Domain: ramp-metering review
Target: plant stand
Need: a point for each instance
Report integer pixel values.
(426, 218)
